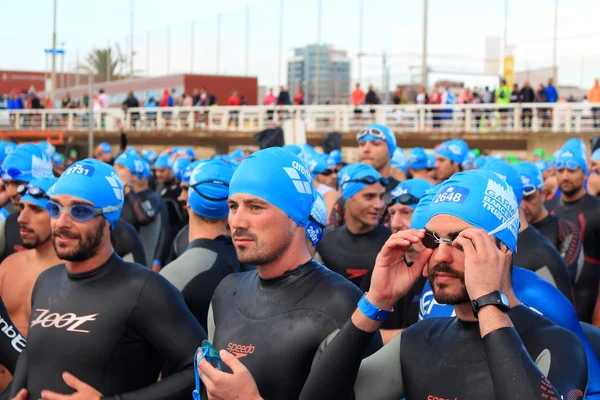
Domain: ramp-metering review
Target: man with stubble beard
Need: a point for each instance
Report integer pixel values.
(583, 210)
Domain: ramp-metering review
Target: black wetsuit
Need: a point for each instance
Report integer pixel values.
(277, 327)
(113, 328)
(585, 213)
(350, 255)
(127, 241)
(12, 342)
(566, 239)
(141, 209)
(178, 217)
(337, 216)
(13, 242)
(537, 254)
(200, 269)
(180, 243)
(446, 358)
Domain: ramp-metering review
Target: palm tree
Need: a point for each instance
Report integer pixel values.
(105, 63)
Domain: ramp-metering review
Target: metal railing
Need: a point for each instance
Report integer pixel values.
(468, 118)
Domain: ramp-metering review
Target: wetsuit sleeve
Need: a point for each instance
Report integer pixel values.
(333, 374)
(20, 375)
(162, 317)
(12, 342)
(515, 375)
(570, 247)
(163, 246)
(336, 217)
(144, 210)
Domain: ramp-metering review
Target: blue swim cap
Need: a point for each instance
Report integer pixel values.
(337, 156)
(47, 148)
(106, 148)
(596, 155)
(133, 163)
(149, 155)
(399, 159)
(318, 219)
(421, 215)
(179, 165)
(96, 182)
(508, 173)
(319, 163)
(187, 171)
(278, 177)
(430, 161)
(5, 149)
(292, 148)
(132, 150)
(209, 189)
(355, 172)
(479, 162)
(543, 165)
(417, 158)
(566, 158)
(238, 154)
(25, 163)
(378, 132)
(451, 150)
(189, 151)
(469, 160)
(42, 183)
(58, 159)
(307, 152)
(164, 161)
(530, 176)
(482, 199)
(575, 145)
(415, 187)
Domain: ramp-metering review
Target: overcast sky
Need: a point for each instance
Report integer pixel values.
(457, 32)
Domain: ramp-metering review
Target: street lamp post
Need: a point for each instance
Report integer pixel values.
(53, 78)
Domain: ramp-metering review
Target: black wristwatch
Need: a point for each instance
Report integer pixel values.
(496, 298)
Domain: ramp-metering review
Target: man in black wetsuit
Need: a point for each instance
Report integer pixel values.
(561, 233)
(487, 352)
(101, 327)
(351, 249)
(142, 207)
(418, 164)
(376, 146)
(279, 318)
(210, 256)
(401, 208)
(582, 209)
(534, 252)
(167, 186)
(25, 163)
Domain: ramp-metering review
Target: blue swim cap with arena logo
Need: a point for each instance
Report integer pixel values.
(278, 177)
(25, 163)
(317, 220)
(96, 182)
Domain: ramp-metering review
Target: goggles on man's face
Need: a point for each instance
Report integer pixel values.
(406, 199)
(369, 180)
(371, 131)
(569, 164)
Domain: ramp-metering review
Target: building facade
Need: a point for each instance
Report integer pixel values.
(330, 84)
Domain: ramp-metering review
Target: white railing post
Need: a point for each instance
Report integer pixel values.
(380, 115)
(346, 112)
(160, 122)
(421, 124)
(70, 120)
(535, 120)
(17, 121)
(261, 119)
(468, 120)
(128, 119)
(568, 119)
(555, 118)
(191, 120)
(517, 117)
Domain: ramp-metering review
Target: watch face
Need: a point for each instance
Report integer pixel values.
(504, 299)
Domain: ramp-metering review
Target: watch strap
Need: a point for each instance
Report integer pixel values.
(493, 299)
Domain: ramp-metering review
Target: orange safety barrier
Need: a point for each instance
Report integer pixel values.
(52, 137)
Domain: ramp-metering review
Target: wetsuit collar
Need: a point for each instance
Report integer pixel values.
(287, 279)
(203, 242)
(101, 271)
